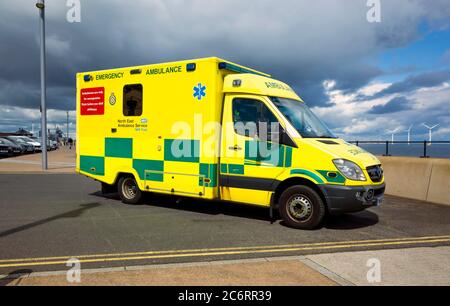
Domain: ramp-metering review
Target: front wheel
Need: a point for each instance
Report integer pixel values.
(301, 207)
(129, 191)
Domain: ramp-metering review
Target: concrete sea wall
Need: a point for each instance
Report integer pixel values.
(426, 179)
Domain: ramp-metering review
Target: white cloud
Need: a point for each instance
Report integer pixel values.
(373, 88)
(329, 85)
(350, 118)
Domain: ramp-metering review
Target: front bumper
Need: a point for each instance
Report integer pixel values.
(346, 199)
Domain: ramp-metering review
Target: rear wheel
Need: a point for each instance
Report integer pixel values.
(129, 191)
(301, 207)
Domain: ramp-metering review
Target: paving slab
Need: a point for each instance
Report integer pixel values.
(411, 267)
(248, 273)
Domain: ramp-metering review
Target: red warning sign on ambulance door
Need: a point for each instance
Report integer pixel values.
(92, 101)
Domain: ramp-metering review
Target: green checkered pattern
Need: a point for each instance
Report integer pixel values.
(152, 170)
(187, 150)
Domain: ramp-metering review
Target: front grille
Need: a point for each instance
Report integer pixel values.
(375, 173)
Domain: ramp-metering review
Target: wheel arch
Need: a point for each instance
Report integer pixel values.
(124, 174)
(292, 181)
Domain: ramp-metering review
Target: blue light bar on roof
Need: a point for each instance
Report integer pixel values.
(234, 68)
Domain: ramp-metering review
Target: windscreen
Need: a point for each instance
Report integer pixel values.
(302, 118)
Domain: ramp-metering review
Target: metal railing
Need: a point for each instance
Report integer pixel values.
(426, 144)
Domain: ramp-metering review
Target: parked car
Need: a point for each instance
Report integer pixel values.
(26, 147)
(5, 149)
(38, 140)
(51, 144)
(36, 144)
(16, 149)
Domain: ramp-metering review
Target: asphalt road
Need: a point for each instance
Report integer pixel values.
(46, 219)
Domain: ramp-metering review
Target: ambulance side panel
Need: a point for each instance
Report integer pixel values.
(171, 147)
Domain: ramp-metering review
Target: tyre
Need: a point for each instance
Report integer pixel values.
(301, 207)
(129, 191)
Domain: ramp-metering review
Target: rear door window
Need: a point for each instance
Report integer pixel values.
(132, 100)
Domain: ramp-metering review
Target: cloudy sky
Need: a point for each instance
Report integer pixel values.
(361, 78)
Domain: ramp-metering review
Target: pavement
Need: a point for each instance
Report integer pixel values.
(59, 161)
(179, 241)
(397, 267)
(287, 272)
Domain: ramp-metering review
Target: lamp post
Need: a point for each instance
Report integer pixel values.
(41, 6)
(67, 127)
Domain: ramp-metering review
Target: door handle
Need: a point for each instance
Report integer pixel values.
(235, 148)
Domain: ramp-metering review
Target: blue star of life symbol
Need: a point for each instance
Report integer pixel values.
(199, 91)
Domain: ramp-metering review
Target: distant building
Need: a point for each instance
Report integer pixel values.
(20, 132)
(23, 132)
(3, 134)
(56, 136)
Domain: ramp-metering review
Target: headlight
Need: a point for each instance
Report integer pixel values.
(349, 169)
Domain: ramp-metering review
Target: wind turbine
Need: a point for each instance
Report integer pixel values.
(430, 128)
(392, 132)
(409, 133)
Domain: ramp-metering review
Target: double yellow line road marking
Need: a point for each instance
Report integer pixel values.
(271, 249)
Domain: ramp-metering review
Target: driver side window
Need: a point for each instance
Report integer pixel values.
(253, 118)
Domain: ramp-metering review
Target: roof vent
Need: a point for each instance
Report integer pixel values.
(136, 71)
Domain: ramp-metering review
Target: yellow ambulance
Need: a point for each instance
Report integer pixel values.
(212, 129)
